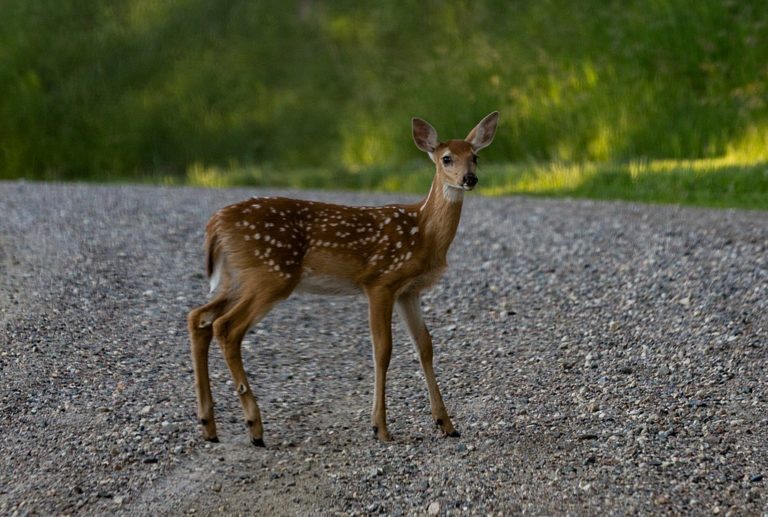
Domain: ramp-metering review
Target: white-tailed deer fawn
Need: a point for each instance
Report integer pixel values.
(261, 250)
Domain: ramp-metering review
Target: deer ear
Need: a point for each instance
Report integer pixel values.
(482, 135)
(424, 135)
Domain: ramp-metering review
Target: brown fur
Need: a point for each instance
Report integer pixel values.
(263, 249)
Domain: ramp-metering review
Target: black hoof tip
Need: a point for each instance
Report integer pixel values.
(454, 434)
(258, 442)
(215, 439)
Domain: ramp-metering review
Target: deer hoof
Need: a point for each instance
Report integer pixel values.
(258, 442)
(454, 434)
(383, 436)
(212, 439)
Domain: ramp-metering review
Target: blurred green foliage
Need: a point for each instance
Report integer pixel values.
(133, 88)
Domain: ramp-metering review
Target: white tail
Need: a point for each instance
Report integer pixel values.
(261, 250)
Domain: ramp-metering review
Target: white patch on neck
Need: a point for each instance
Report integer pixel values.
(453, 194)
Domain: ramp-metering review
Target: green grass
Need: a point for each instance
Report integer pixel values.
(649, 100)
(709, 183)
(95, 88)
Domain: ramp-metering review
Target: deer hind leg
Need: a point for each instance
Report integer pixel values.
(409, 309)
(380, 318)
(200, 323)
(229, 331)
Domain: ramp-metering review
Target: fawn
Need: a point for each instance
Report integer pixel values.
(261, 250)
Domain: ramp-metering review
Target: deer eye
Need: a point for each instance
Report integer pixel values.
(474, 159)
(447, 160)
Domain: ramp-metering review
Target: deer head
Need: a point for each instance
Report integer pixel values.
(455, 160)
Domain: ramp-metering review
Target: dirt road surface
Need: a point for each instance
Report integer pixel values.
(597, 358)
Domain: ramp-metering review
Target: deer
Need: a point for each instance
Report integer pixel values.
(259, 251)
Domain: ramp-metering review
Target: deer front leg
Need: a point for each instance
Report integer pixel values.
(409, 308)
(380, 317)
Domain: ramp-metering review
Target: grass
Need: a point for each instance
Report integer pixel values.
(708, 182)
(90, 88)
(721, 183)
(659, 100)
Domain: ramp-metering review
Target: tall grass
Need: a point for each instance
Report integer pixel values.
(93, 89)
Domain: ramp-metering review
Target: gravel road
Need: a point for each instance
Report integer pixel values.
(597, 358)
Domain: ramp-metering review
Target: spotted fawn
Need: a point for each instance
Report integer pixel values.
(261, 250)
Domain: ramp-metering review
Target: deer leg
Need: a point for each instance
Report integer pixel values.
(380, 318)
(409, 309)
(200, 333)
(229, 330)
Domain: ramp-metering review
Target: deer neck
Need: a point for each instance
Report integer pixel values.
(439, 215)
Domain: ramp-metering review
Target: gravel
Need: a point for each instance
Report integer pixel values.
(597, 358)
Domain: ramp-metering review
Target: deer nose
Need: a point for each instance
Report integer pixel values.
(470, 180)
